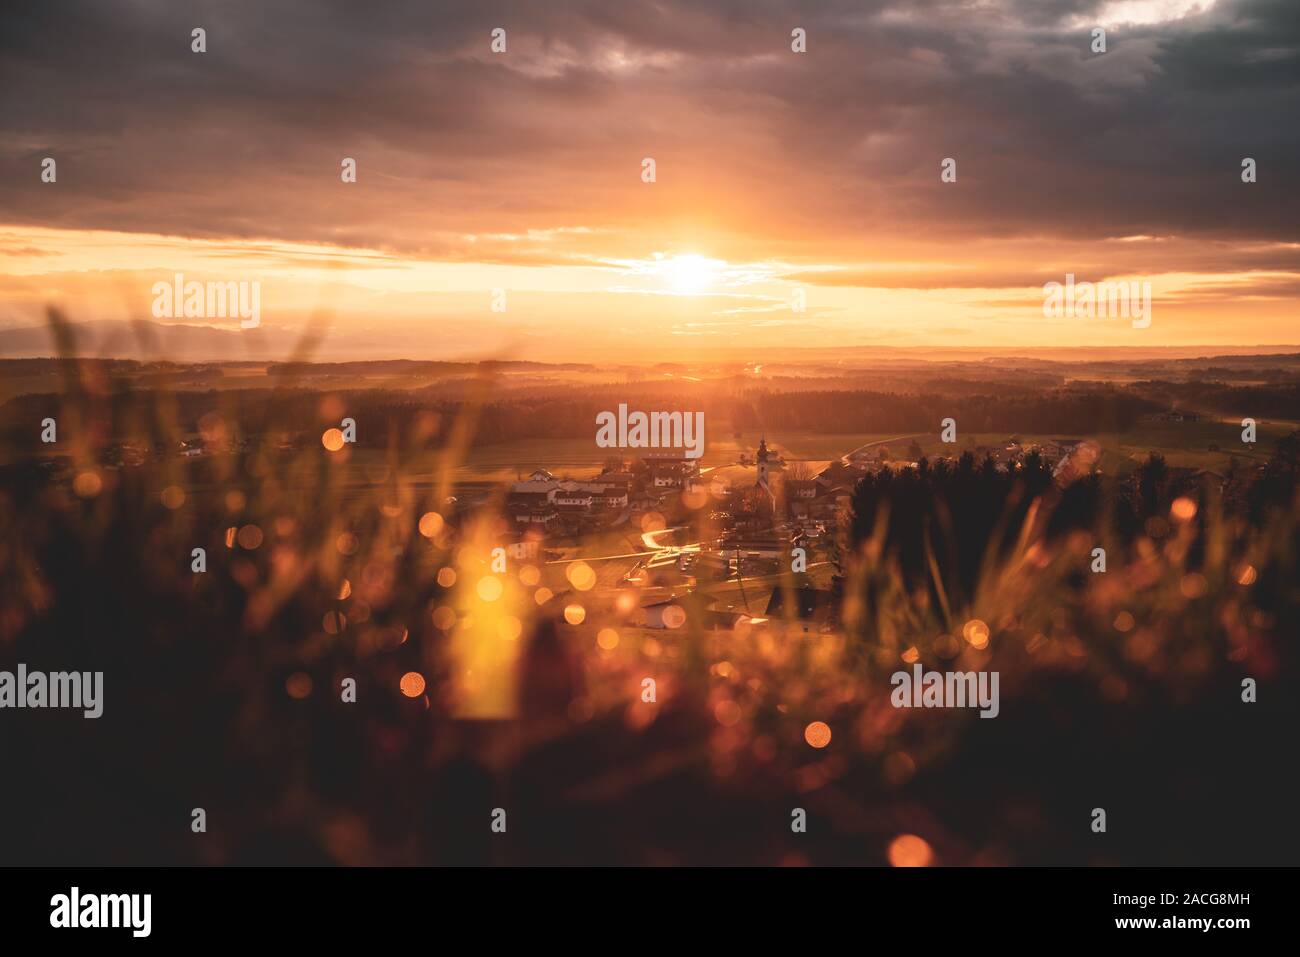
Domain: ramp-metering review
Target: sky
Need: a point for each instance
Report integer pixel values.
(500, 206)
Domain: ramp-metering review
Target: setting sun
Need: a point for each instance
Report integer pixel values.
(690, 274)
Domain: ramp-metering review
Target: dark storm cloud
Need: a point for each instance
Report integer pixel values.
(815, 151)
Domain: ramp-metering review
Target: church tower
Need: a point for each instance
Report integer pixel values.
(762, 457)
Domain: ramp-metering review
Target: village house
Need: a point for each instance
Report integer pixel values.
(572, 496)
(621, 478)
(709, 485)
(610, 490)
(531, 503)
(535, 516)
(665, 477)
(798, 496)
(542, 497)
(670, 471)
(831, 503)
(613, 498)
(804, 490)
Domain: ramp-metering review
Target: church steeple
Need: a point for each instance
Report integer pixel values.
(761, 458)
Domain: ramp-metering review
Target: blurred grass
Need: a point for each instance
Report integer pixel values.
(313, 574)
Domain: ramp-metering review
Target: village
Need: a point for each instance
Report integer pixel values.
(669, 539)
(720, 545)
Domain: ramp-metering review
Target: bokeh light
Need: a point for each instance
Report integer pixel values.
(908, 850)
(431, 523)
(1183, 509)
(581, 576)
(817, 734)
(976, 632)
(87, 484)
(412, 684)
(727, 712)
(298, 685)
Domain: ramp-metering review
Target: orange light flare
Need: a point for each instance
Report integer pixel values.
(908, 850)
(489, 588)
(412, 684)
(727, 712)
(817, 734)
(581, 576)
(1183, 509)
(87, 484)
(491, 615)
(976, 632)
(674, 616)
(431, 523)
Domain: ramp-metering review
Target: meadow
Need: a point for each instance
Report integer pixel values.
(478, 688)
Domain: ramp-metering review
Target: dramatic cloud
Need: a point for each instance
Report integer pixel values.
(826, 162)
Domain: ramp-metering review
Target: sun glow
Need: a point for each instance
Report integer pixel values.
(690, 274)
